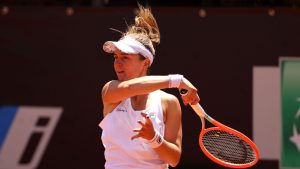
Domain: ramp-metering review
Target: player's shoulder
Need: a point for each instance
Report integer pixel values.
(170, 102)
(109, 83)
(167, 97)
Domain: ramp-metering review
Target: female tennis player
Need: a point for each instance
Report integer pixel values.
(141, 127)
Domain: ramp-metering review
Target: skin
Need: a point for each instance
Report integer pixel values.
(134, 83)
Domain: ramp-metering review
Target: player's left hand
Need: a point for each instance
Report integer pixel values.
(146, 131)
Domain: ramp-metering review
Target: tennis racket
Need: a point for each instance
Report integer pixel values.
(224, 145)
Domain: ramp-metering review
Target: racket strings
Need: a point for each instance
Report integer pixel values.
(228, 147)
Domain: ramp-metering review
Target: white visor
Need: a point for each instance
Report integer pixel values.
(128, 45)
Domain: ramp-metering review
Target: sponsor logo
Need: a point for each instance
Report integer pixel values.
(121, 109)
(24, 134)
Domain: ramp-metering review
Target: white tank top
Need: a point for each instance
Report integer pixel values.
(120, 151)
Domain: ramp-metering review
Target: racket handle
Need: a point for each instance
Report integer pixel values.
(196, 107)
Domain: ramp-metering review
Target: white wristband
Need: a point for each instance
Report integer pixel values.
(175, 80)
(156, 141)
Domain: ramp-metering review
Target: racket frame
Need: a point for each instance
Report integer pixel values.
(203, 115)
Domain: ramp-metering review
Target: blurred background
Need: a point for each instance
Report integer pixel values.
(169, 3)
(51, 58)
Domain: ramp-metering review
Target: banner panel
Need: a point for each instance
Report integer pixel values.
(290, 112)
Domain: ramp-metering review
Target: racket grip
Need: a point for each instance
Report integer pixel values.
(196, 107)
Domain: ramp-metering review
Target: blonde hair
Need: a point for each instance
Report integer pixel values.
(145, 29)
